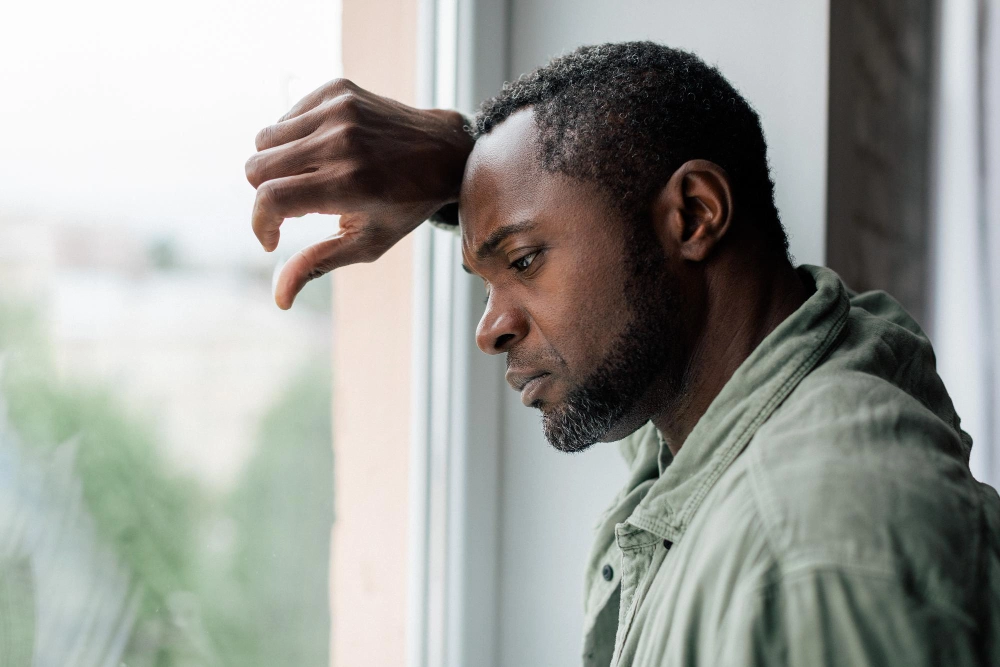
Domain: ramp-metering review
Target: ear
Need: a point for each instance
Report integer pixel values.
(694, 209)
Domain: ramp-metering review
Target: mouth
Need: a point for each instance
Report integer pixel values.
(532, 389)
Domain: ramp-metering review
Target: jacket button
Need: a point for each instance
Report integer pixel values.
(607, 573)
(667, 544)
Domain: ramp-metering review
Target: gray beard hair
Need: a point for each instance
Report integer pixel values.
(578, 424)
(590, 411)
(647, 349)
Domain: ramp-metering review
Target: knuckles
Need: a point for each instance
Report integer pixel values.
(345, 133)
(345, 107)
(349, 136)
(339, 85)
(264, 138)
(269, 196)
(256, 169)
(253, 169)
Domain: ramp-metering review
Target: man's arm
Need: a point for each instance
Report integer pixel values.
(383, 166)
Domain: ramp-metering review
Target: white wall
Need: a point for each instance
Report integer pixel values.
(963, 258)
(775, 52)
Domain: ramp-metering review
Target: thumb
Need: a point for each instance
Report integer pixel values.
(319, 259)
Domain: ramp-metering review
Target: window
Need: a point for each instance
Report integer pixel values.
(165, 440)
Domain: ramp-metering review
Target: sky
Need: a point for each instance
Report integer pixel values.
(143, 114)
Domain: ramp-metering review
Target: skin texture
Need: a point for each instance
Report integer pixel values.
(553, 316)
(558, 287)
(383, 166)
(632, 319)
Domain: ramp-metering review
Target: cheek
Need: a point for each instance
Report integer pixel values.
(583, 312)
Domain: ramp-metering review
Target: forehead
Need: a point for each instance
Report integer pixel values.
(504, 181)
(505, 185)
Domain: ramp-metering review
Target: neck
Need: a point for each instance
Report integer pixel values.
(747, 298)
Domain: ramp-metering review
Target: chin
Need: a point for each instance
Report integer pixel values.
(625, 427)
(547, 405)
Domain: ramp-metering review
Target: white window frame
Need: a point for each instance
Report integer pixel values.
(455, 467)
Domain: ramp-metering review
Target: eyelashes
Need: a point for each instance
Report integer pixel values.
(520, 265)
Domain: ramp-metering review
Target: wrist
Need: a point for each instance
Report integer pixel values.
(456, 142)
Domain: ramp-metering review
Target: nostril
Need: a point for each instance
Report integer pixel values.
(503, 340)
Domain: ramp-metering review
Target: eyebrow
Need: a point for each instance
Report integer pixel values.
(489, 246)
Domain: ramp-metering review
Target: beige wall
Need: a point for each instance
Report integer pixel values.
(371, 400)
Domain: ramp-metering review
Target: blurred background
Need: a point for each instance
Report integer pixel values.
(165, 442)
(171, 443)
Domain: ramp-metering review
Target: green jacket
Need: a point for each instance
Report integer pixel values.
(821, 512)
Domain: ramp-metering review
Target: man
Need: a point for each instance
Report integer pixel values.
(799, 490)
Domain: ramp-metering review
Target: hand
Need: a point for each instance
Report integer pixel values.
(383, 166)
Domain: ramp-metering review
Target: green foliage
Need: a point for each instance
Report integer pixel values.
(164, 255)
(283, 512)
(261, 598)
(147, 516)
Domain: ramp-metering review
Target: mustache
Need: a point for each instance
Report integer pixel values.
(523, 359)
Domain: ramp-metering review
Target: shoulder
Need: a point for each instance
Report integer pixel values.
(854, 472)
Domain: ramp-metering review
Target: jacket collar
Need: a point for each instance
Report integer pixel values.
(757, 388)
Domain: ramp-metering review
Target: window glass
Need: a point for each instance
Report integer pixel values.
(165, 454)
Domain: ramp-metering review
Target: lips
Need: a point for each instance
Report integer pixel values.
(529, 381)
(518, 378)
(533, 388)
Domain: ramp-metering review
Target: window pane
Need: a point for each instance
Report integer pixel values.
(165, 454)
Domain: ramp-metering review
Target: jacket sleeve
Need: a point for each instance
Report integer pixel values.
(835, 616)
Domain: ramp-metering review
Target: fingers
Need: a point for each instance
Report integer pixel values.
(288, 197)
(291, 159)
(320, 259)
(316, 97)
(289, 130)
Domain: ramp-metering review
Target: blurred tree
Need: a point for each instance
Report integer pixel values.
(239, 581)
(147, 516)
(282, 510)
(163, 254)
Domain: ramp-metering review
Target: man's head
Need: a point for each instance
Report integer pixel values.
(600, 188)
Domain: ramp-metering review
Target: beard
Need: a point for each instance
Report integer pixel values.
(648, 349)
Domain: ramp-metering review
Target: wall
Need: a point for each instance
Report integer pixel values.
(961, 324)
(373, 314)
(881, 71)
(775, 52)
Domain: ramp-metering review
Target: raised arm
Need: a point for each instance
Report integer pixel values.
(385, 167)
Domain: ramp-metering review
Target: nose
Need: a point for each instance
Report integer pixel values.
(501, 326)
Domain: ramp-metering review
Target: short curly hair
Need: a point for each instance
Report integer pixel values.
(626, 115)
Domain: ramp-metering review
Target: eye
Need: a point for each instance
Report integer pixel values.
(523, 263)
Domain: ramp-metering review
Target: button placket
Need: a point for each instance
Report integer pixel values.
(639, 557)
